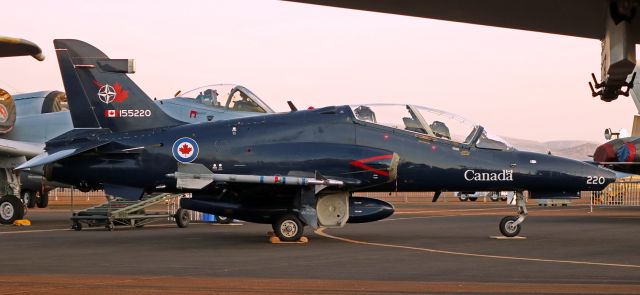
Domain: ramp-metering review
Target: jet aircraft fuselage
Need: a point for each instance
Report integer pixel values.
(331, 141)
(289, 169)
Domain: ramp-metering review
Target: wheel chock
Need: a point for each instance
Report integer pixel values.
(273, 239)
(22, 222)
(507, 238)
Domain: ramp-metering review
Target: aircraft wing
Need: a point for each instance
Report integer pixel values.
(18, 47)
(584, 18)
(14, 148)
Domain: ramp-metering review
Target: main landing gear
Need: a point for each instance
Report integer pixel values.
(11, 209)
(510, 225)
(288, 228)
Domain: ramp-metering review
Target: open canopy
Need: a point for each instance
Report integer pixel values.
(430, 122)
(228, 96)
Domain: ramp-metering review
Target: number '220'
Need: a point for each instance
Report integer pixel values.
(595, 180)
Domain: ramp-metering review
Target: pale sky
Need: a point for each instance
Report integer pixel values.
(515, 83)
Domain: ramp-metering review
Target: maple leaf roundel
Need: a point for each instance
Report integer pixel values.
(185, 150)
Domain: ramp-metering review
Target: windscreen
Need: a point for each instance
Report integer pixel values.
(488, 140)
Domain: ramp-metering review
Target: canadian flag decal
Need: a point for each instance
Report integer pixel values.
(111, 113)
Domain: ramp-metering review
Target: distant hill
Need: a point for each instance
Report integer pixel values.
(574, 149)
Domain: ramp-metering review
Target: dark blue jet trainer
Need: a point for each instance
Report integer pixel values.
(291, 169)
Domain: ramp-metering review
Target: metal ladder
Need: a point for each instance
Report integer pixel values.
(123, 212)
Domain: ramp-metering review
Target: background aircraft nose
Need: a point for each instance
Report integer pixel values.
(605, 153)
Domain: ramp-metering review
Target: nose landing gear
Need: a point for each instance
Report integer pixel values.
(510, 225)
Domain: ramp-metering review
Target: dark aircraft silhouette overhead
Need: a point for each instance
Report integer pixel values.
(614, 22)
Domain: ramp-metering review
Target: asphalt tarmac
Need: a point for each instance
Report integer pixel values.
(423, 249)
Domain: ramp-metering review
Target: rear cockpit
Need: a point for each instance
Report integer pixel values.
(430, 122)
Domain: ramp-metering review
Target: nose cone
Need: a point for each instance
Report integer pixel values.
(598, 178)
(585, 176)
(550, 173)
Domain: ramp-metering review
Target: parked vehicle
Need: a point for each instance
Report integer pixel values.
(473, 196)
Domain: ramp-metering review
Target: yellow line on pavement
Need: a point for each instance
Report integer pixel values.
(429, 250)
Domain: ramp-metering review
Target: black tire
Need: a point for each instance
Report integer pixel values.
(473, 199)
(182, 218)
(11, 209)
(494, 197)
(76, 226)
(29, 198)
(43, 200)
(223, 219)
(463, 198)
(504, 199)
(507, 229)
(288, 228)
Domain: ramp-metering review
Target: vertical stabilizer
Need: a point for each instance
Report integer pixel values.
(100, 93)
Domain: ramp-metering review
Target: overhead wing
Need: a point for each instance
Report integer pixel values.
(584, 18)
(20, 148)
(18, 47)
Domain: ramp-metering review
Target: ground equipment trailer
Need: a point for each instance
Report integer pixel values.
(129, 213)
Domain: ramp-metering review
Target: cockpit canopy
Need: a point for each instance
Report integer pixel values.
(429, 122)
(228, 96)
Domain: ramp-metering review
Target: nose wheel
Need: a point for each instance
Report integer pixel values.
(510, 225)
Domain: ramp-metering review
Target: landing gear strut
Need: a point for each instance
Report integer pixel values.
(510, 225)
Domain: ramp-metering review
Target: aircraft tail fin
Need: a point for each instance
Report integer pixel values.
(100, 93)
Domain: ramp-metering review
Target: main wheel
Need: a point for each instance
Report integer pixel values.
(223, 220)
(11, 209)
(463, 197)
(507, 228)
(473, 199)
(494, 197)
(288, 228)
(182, 218)
(43, 200)
(76, 226)
(29, 198)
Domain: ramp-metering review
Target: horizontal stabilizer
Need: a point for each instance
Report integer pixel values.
(124, 66)
(53, 156)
